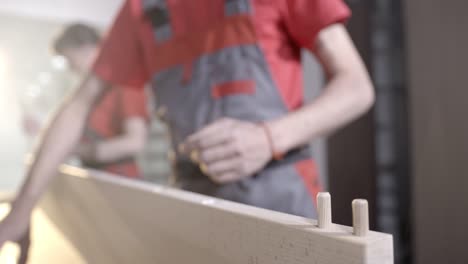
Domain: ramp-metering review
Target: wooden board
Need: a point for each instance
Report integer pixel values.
(111, 219)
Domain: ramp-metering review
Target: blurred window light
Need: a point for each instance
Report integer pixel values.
(3, 69)
(33, 91)
(45, 78)
(59, 63)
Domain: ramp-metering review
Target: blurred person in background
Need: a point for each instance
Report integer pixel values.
(116, 129)
(227, 79)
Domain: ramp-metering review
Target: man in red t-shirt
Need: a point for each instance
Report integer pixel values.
(226, 75)
(116, 129)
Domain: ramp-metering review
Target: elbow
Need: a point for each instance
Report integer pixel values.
(367, 95)
(136, 135)
(364, 94)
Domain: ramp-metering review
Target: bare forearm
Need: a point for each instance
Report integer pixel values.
(128, 144)
(344, 99)
(347, 95)
(58, 140)
(55, 145)
(117, 148)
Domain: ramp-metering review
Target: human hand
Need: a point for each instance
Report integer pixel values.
(229, 149)
(24, 243)
(15, 228)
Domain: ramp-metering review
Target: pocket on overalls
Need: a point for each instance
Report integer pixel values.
(234, 98)
(230, 88)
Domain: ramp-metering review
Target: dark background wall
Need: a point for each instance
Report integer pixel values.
(351, 162)
(369, 158)
(437, 42)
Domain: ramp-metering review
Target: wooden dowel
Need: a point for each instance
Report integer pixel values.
(360, 217)
(324, 210)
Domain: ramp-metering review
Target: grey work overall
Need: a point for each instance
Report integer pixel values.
(217, 72)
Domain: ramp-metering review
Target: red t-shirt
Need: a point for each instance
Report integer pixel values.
(283, 27)
(107, 121)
